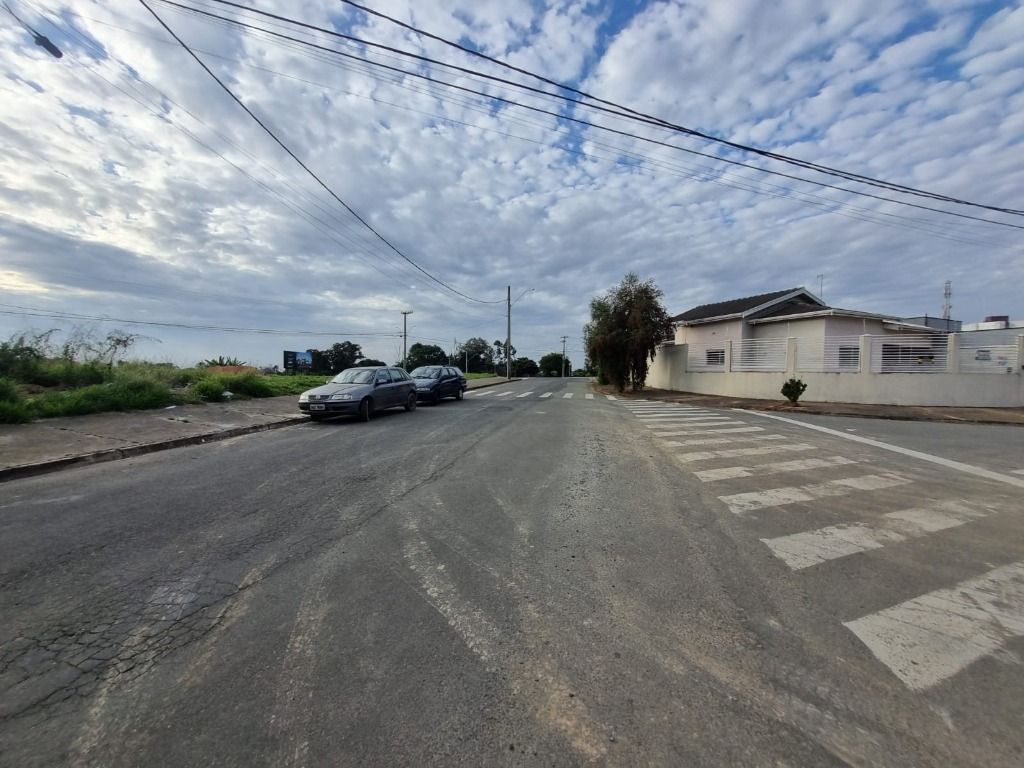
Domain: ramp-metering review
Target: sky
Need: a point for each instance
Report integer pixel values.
(132, 187)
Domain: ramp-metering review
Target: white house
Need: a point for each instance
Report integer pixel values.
(742, 347)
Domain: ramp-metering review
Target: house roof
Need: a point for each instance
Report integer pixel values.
(741, 307)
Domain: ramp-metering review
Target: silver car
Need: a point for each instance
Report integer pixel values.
(361, 392)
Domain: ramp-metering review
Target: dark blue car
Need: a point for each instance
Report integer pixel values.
(436, 381)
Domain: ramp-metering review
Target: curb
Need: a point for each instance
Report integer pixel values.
(493, 384)
(112, 454)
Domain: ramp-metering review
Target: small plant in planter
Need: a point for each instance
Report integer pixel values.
(792, 390)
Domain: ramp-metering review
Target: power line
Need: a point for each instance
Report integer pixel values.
(560, 116)
(36, 312)
(698, 173)
(305, 167)
(824, 169)
(350, 241)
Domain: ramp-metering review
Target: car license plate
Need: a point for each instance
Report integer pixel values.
(316, 406)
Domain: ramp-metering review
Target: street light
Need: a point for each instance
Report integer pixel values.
(508, 338)
(405, 338)
(41, 40)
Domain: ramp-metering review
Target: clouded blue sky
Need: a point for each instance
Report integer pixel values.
(132, 187)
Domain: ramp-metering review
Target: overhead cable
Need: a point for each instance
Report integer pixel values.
(824, 169)
(561, 116)
(305, 167)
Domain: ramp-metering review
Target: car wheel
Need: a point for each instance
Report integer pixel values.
(410, 404)
(365, 409)
(436, 398)
(458, 393)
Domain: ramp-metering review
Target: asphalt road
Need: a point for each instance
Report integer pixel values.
(519, 580)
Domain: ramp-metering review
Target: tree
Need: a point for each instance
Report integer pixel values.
(626, 326)
(552, 364)
(220, 360)
(481, 357)
(340, 356)
(524, 366)
(426, 354)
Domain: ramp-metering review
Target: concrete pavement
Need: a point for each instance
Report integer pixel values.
(52, 444)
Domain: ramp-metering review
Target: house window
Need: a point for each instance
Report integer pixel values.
(715, 357)
(849, 358)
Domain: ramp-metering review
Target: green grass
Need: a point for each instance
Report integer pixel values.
(480, 375)
(119, 395)
(294, 385)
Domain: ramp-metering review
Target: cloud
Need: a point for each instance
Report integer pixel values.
(132, 186)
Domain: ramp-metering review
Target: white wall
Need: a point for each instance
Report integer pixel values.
(711, 333)
(668, 371)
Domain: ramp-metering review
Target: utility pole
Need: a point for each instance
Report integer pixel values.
(563, 355)
(405, 338)
(821, 287)
(508, 335)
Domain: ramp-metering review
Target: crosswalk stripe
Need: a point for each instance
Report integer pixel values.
(483, 394)
(589, 397)
(567, 395)
(720, 440)
(694, 424)
(611, 397)
(1017, 471)
(546, 394)
(739, 503)
(525, 394)
(807, 548)
(502, 394)
(716, 431)
(798, 465)
(683, 419)
(730, 453)
(930, 638)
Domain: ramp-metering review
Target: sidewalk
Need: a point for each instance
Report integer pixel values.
(897, 412)
(52, 444)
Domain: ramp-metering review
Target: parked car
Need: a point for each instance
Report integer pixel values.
(436, 381)
(361, 392)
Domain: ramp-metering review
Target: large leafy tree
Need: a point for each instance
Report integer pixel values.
(426, 354)
(524, 366)
(626, 326)
(340, 356)
(479, 353)
(552, 364)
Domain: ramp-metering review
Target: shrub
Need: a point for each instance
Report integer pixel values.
(792, 390)
(210, 388)
(66, 373)
(249, 384)
(120, 395)
(9, 392)
(14, 412)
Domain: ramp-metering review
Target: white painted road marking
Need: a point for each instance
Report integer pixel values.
(525, 394)
(589, 397)
(567, 395)
(1018, 471)
(718, 440)
(546, 394)
(683, 421)
(502, 394)
(729, 453)
(932, 637)
(798, 465)
(807, 548)
(482, 394)
(611, 397)
(948, 463)
(681, 416)
(717, 431)
(739, 503)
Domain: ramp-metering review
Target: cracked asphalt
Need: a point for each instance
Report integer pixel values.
(497, 581)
